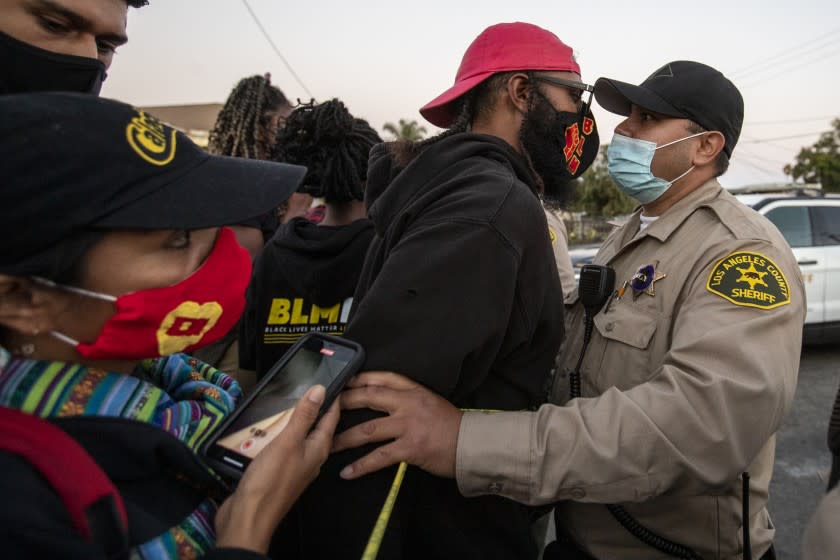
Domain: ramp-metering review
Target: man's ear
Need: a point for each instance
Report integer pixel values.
(519, 91)
(24, 305)
(711, 145)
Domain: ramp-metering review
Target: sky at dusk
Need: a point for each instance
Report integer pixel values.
(385, 59)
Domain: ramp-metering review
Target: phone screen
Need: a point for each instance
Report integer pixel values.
(316, 362)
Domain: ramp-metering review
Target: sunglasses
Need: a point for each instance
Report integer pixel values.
(565, 83)
(570, 84)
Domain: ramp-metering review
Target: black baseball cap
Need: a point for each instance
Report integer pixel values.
(73, 163)
(681, 89)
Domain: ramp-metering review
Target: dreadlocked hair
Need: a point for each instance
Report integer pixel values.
(477, 101)
(332, 144)
(244, 125)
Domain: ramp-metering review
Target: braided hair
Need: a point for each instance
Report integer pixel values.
(244, 127)
(475, 102)
(333, 145)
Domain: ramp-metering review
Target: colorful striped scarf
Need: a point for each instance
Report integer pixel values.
(184, 396)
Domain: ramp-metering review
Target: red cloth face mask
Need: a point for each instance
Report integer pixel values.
(193, 313)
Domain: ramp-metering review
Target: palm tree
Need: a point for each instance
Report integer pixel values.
(405, 130)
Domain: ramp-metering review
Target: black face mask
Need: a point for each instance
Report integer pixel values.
(24, 69)
(561, 146)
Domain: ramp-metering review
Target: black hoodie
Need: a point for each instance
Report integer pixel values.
(460, 292)
(303, 281)
(457, 291)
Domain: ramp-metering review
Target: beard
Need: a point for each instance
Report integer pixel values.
(543, 138)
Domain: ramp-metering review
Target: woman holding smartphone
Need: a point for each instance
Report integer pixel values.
(114, 260)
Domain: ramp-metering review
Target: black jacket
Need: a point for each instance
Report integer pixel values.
(460, 292)
(303, 281)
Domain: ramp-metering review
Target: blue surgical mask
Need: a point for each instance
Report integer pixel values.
(629, 166)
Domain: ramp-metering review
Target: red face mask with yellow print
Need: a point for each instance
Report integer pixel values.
(193, 313)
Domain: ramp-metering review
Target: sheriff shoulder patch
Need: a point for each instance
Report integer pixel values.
(749, 280)
(552, 235)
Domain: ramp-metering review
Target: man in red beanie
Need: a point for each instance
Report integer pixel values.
(459, 290)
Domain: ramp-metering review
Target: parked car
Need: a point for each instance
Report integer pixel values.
(809, 220)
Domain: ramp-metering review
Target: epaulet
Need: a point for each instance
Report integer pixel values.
(738, 218)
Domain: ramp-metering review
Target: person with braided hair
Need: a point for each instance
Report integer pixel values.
(305, 277)
(248, 123)
(247, 127)
(459, 289)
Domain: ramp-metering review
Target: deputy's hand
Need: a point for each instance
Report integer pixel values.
(277, 476)
(423, 425)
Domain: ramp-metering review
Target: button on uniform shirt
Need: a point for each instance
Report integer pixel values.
(691, 369)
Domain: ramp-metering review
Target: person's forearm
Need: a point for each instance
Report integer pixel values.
(605, 449)
(246, 527)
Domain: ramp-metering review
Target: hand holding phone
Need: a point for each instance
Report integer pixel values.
(278, 476)
(316, 359)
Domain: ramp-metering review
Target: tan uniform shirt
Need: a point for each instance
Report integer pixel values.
(560, 244)
(684, 388)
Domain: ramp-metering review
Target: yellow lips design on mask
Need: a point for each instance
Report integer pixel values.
(186, 325)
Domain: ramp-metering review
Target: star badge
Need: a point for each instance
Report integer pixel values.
(645, 279)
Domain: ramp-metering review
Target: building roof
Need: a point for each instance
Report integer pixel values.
(187, 117)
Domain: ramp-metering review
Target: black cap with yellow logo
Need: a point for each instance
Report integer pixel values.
(73, 162)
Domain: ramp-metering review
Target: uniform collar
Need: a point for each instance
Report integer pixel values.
(667, 223)
(671, 219)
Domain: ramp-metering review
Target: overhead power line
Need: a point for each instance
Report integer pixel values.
(786, 121)
(789, 51)
(803, 135)
(276, 50)
(742, 152)
(770, 144)
(744, 161)
(792, 66)
(793, 55)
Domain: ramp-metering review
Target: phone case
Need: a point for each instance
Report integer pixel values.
(331, 393)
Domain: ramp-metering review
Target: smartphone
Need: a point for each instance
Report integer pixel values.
(315, 359)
